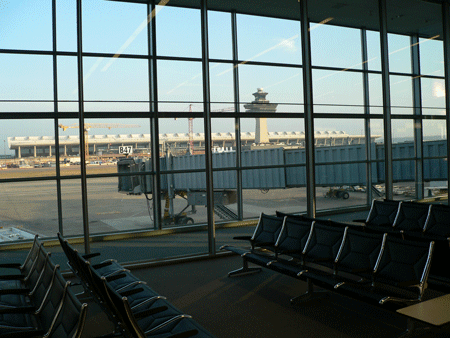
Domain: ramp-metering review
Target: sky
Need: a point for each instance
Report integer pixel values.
(121, 28)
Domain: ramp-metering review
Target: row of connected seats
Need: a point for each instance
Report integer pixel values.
(416, 221)
(374, 267)
(136, 310)
(36, 301)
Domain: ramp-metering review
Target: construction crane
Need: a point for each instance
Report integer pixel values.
(191, 126)
(191, 132)
(88, 126)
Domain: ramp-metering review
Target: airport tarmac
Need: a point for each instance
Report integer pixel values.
(32, 206)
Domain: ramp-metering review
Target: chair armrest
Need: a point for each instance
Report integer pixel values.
(184, 334)
(94, 254)
(111, 278)
(408, 283)
(131, 292)
(359, 270)
(20, 309)
(245, 238)
(12, 277)
(10, 265)
(150, 312)
(14, 291)
(327, 259)
(102, 264)
(264, 244)
(287, 252)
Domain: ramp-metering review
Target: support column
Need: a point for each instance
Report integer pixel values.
(446, 40)
(367, 138)
(388, 172)
(19, 152)
(418, 125)
(237, 121)
(309, 111)
(154, 122)
(34, 151)
(207, 126)
(83, 151)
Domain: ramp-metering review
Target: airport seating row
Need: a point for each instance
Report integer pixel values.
(419, 220)
(378, 268)
(37, 301)
(136, 310)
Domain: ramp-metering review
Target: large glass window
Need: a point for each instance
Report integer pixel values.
(26, 25)
(268, 40)
(132, 87)
(125, 34)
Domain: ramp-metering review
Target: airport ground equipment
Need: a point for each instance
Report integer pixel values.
(337, 192)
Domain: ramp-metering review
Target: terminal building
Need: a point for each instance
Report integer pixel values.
(43, 146)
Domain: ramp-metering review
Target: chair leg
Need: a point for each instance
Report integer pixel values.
(412, 331)
(245, 270)
(309, 294)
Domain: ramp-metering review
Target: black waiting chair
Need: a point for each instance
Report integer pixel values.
(264, 237)
(289, 245)
(355, 261)
(411, 217)
(61, 315)
(382, 215)
(399, 277)
(24, 270)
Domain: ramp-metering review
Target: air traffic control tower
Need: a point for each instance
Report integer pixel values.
(261, 104)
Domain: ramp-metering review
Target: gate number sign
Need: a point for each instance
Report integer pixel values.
(126, 150)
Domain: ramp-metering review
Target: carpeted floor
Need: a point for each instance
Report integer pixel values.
(258, 306)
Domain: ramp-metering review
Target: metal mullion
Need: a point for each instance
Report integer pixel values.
(207, 126)
(309, 110)
(56, 127)
(365, 58)
(154, 121)
(446, 40)
(388, 174)
(418, 125)
(237, 120)
(81, 128)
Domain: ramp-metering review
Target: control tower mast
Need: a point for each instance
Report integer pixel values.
(261, 105)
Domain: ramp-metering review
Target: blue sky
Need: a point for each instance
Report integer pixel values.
(114, 27)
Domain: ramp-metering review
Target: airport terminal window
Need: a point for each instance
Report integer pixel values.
(67, 84)
(126, 34)
(375, 94)
(338, 88)
(431, 56)
(433, 96)
(179, 85)
(341, 42)
(72, 215)
(399, 50)
(373, 50)
(126, 80)
(219, 36)
(222, 89)
(178, 32)
(27, 25)
(282, 85)
(401, 94)
(26, 80)
(66, 25)
(268, 40)
(269, 67)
